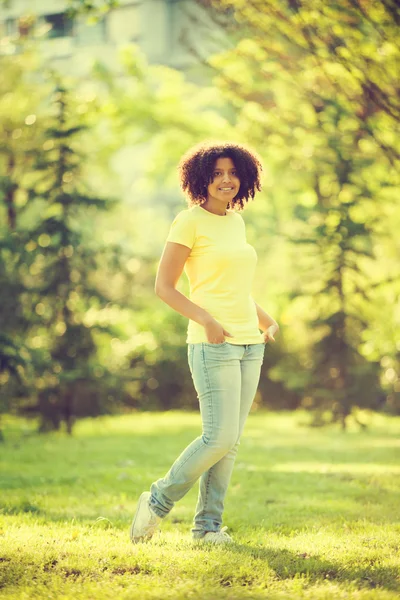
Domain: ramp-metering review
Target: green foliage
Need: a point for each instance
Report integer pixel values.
(66, 264)
(48, 264)
(91, 7)
(9, 358)
(314, 88)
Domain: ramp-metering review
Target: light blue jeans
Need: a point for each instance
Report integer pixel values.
(225, 377)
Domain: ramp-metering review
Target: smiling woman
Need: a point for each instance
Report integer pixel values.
(225, 346)
(210, 169)
(224, 186)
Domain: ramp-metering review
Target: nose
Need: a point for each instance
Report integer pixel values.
(226, 177)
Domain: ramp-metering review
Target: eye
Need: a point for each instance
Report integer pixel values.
(217, 172)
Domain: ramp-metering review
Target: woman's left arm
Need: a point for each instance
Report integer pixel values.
(267, 324)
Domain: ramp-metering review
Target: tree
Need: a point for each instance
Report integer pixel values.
(50, 263)
(319, 83)
(64, 285)
(20, 108)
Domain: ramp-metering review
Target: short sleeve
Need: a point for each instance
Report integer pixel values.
(183, 230)
(242, 223)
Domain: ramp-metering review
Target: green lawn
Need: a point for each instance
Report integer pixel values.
(314, 513)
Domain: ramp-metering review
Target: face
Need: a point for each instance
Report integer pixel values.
(226, 183)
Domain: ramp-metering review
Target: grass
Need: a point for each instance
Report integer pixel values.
(314, 513)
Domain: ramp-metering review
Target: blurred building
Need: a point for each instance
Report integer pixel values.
(170, 32)
(175, 33)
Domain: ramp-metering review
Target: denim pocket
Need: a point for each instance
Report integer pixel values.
(215, 345)
(190, 357)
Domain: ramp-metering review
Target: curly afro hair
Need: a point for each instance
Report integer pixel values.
(196, 169)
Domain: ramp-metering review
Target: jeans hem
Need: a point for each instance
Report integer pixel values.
(199, 536)
(157, 511)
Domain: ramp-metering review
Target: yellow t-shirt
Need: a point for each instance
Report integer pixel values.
(220, 269)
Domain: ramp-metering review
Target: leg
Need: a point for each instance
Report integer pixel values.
(214, 482)
(216, 376)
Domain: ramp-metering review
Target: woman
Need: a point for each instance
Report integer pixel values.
(225, 346)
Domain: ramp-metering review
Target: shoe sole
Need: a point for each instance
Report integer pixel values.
(203, 541)
(144, 497)
(208, 543)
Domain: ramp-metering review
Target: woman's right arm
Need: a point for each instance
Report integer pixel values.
(169, 271)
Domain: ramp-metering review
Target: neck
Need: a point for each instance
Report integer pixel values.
(215, 208)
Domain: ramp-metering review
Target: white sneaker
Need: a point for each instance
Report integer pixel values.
(145, 521)
(217, 537)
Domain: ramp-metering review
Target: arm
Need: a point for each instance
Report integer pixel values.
(266, 323)
(169, 271)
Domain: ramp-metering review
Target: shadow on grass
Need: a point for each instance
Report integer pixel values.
(282, 565)
(287, 565)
